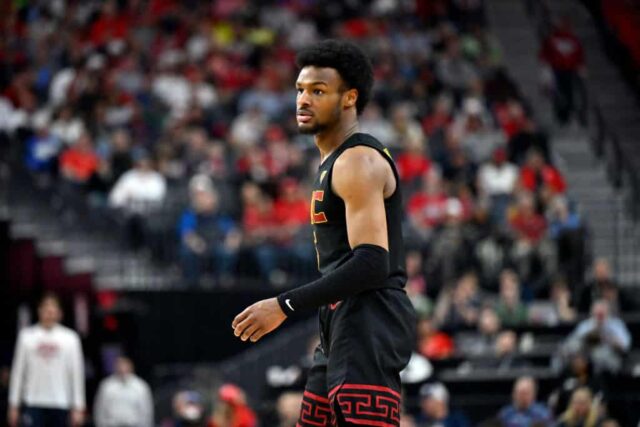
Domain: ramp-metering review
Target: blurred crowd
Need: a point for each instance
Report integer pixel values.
(176, 120)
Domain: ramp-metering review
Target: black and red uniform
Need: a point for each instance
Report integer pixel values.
(366, 339)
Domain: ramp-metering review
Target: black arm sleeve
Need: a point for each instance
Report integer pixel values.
(367, 269)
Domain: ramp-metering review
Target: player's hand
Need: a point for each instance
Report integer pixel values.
(258, 319)
(77, 418)
(13, 416)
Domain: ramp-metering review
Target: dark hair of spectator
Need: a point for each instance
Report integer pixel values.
(348, 60)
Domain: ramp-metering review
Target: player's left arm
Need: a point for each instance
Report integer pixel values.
(359, 178)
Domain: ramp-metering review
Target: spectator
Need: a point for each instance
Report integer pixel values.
(207, 237)
(496, 182)
(416, 285)
(460, 306)
(259, 224)
(47, 375)
(291, 210)
(539, 177)
(376, 124)
(452, 245)
(476, 132)
(123, 399)
(455, 71)
(482, 342)
(524, 411)
(42, 150)
(79, 162)
(435, 410)
(120, 160)
(510, 309)
(604, 286)
(579, 374)
(583, 410)
(427, 207)
(503, 357)
(506, 351)
(138, 193)
(231, 409)
(405, 127)
(529, 228)
(188, 409)
(557, 310)
(288, 408)
(140, 189)
(605, 337)
(528, 138)
(432, 343)
(563, 53)
(413, 162)
(562, 218)
(66, 126)
(440, 118)
(566, 229)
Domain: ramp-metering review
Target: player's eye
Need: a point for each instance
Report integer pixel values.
(299, 90)
(318, 92)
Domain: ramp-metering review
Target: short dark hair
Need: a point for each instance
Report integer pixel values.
(348, 60)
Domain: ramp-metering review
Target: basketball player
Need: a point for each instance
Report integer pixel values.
(366, 320)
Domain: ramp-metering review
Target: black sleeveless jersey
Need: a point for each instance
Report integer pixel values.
(328, 217)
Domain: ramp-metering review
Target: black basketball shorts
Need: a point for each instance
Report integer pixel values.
(365, 341)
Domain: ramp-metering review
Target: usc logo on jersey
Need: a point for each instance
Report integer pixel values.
(317, 217)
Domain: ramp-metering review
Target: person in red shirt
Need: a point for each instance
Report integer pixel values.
(80, 162)
(530, 229)
(111, 25)
(537, 176)
(563, 53)
(291, 209)
(231, 409)
(427, 207)
(413, 162)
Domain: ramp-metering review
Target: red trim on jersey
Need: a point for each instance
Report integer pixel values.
(316, 397)
(364, 387)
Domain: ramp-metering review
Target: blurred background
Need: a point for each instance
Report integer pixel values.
(151, 175)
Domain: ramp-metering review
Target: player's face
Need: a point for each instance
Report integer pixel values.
(320, 100)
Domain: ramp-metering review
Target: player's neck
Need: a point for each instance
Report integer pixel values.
(329, 140)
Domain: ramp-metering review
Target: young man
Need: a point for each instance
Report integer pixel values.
(47, 376)
(123, 399)
(367, 323)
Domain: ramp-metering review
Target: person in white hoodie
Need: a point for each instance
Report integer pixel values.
(47, 375)
(123, 399)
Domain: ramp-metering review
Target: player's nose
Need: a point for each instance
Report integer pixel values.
(303, 99)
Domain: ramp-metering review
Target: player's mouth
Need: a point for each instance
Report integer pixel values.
(304, 116)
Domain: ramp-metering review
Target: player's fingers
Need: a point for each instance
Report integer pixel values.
(240, 327)
(246, 334)
(259, 333)
(239, 318)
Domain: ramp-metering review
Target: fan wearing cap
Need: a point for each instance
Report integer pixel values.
(231, 409)
(435, 410)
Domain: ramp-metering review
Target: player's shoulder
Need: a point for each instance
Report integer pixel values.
(363, 151)
(359, 161)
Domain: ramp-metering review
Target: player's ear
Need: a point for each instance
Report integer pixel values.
(351, 96)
